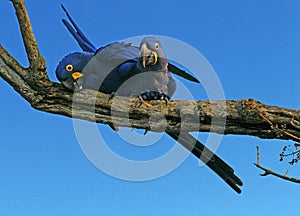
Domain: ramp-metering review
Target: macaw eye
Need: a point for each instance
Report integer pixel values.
(156, 46)
(69, 67)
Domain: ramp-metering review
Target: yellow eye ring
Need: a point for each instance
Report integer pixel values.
(69, 68)
(156, 46)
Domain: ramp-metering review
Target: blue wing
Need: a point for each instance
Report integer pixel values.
(111, 66)
(87, 46)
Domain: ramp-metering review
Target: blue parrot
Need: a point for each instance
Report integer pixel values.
(116, 68)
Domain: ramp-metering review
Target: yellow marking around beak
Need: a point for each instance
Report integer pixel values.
(77, 75)
(155, 57)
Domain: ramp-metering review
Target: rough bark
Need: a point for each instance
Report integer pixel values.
(244, 117)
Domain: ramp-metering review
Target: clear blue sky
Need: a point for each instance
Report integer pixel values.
(253, 47)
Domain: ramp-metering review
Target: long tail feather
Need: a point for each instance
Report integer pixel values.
(83, 41)
(215, 163)
(175, 70)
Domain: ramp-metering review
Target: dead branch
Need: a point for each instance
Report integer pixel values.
(270, 172)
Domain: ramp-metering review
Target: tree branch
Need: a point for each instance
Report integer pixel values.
(244, 117)
(270, 172)
(33, 53)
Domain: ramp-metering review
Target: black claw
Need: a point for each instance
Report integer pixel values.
(141, 100)
(112, 95)
(166, 99)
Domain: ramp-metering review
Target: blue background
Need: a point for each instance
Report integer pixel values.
(253, 47)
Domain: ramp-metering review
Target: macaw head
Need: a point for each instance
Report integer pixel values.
(152, 53)
(70, 68)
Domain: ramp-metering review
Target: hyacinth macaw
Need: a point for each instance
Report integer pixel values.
(110, 67)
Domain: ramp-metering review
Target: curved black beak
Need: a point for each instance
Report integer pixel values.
(148, 56)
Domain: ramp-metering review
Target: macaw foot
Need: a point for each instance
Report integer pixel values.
(154, 95)
(142, 101)
(151, 95)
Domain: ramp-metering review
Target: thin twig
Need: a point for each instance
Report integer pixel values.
(270, 172)
(257, 155)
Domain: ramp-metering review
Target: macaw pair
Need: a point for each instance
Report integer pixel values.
(131, 70)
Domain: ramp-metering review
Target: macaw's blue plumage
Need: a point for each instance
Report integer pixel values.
(70, 67)
(87, 46)
(130, 70)
(118, 67)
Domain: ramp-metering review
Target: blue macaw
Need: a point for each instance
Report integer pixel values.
(108, 68)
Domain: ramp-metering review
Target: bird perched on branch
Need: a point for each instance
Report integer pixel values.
(133, 70)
